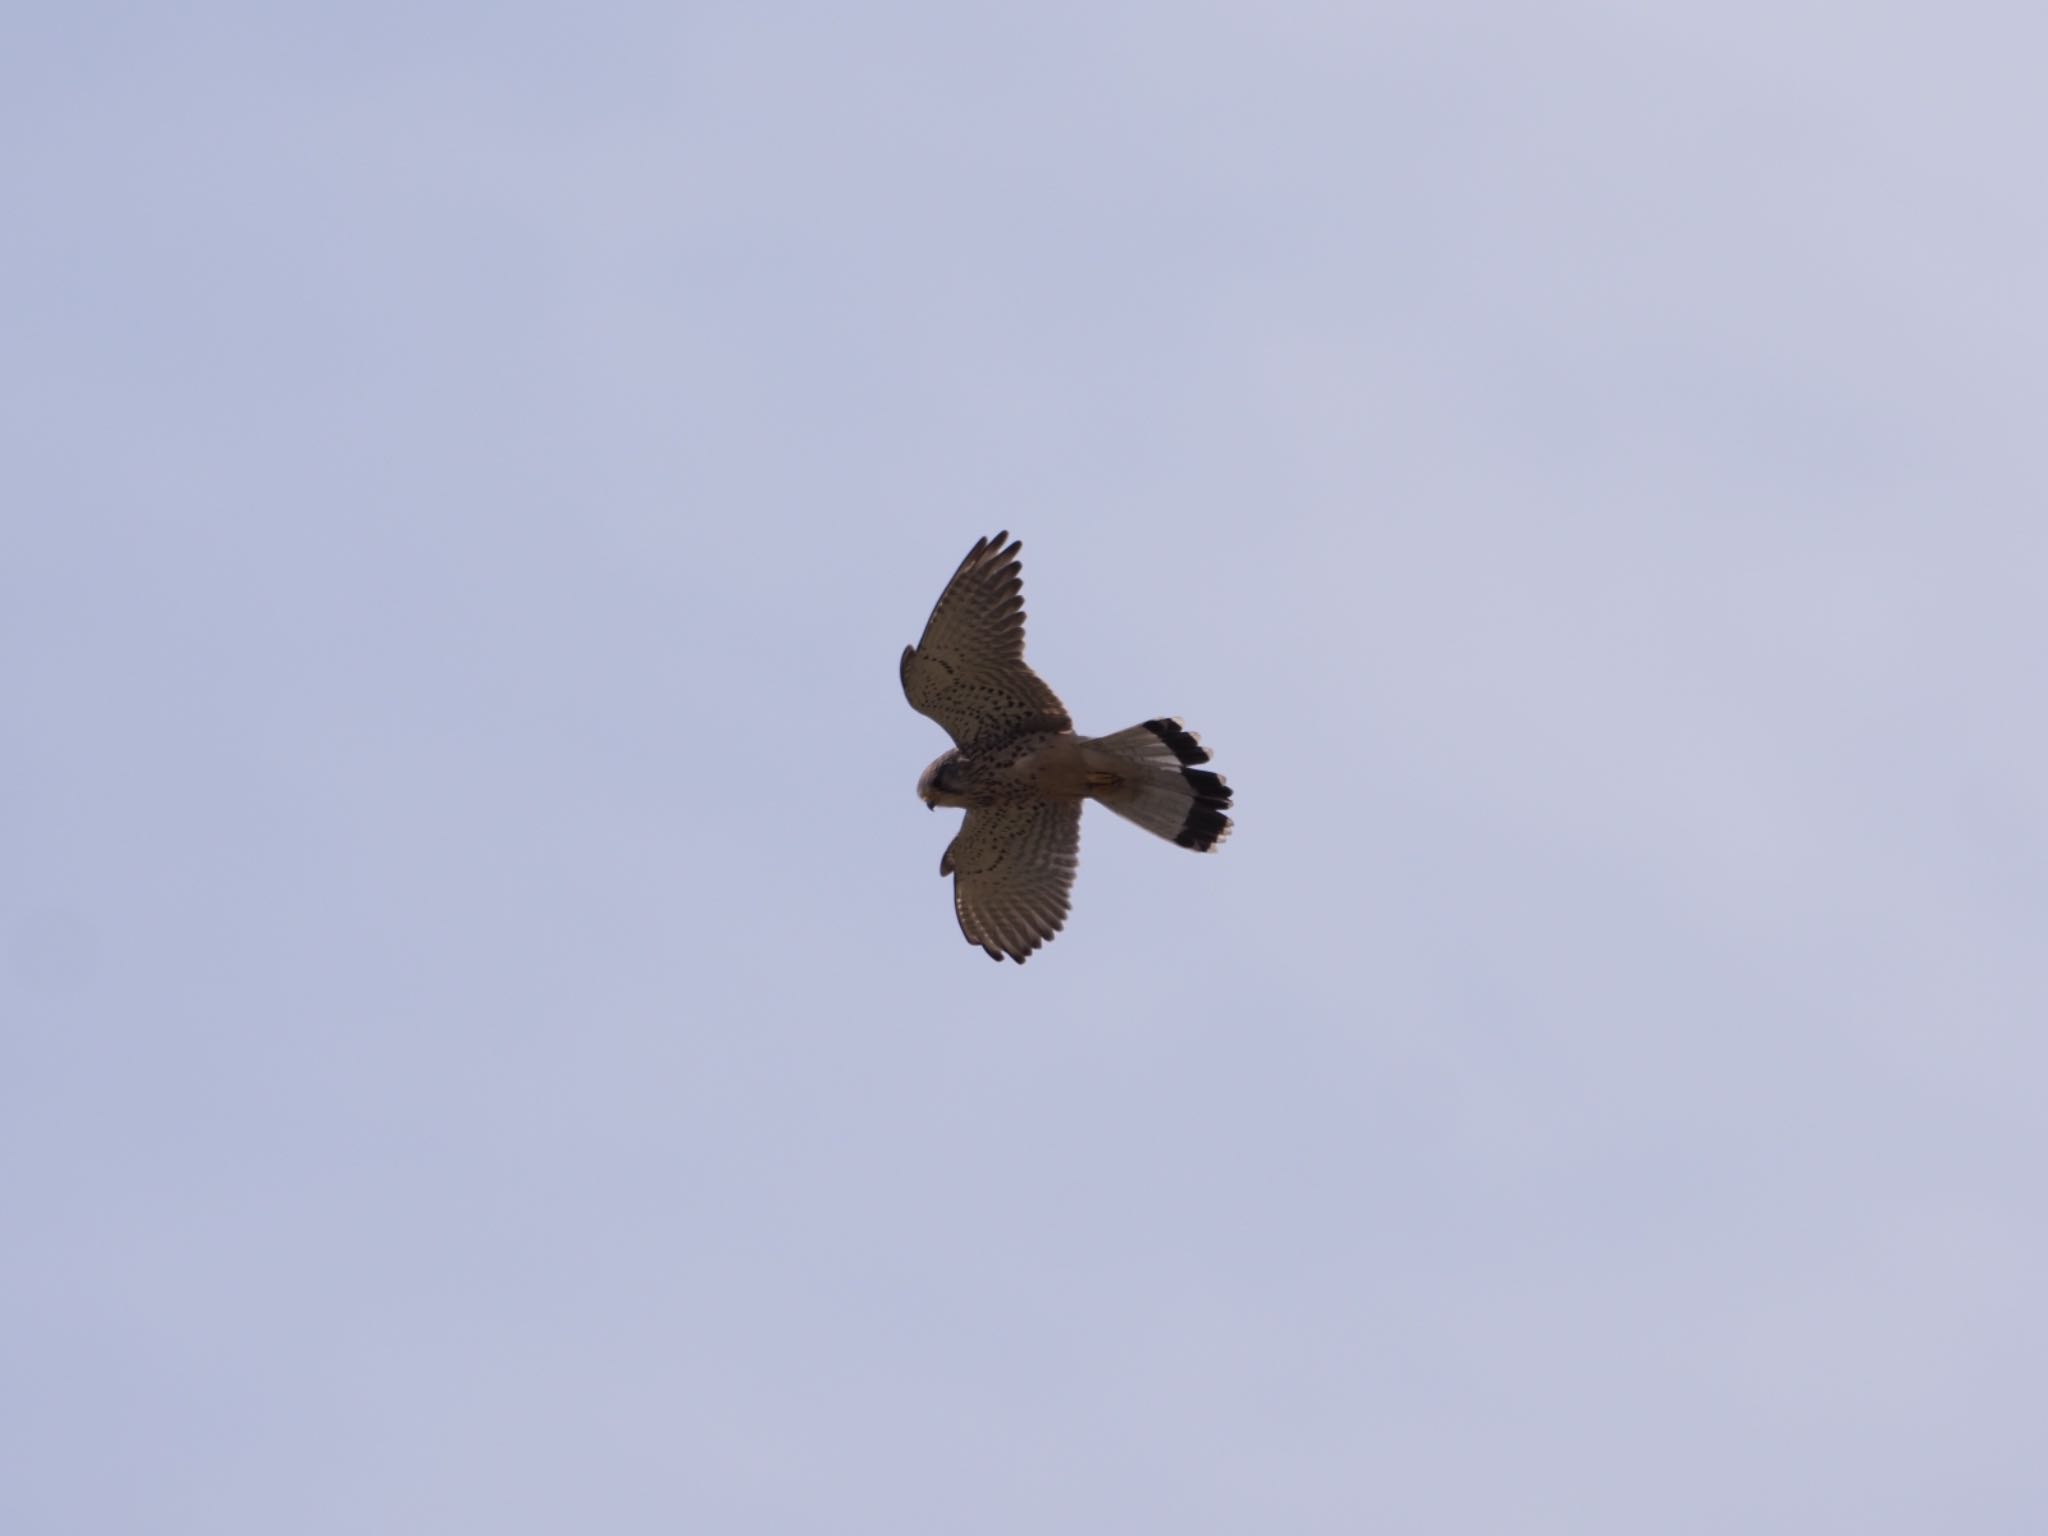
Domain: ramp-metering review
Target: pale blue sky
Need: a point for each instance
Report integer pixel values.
(485, 1044)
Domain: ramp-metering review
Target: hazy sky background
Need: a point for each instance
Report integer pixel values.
(485, 1044)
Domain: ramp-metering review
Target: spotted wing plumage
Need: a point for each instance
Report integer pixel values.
(968, 671)
(1013, 867)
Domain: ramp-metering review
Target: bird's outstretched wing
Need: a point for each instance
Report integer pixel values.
(968, 671)
(1013, 867)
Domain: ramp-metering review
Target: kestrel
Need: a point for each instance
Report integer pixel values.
(1021, 773)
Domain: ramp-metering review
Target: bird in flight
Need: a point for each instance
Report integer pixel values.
(1021, 773)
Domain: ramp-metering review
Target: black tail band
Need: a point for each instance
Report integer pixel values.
(1185, 747)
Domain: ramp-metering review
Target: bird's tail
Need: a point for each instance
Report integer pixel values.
(1148, 774)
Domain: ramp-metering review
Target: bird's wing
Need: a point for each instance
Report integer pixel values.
(1013, 867)
(968, 671)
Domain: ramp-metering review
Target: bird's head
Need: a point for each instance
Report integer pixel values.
(940, 783)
